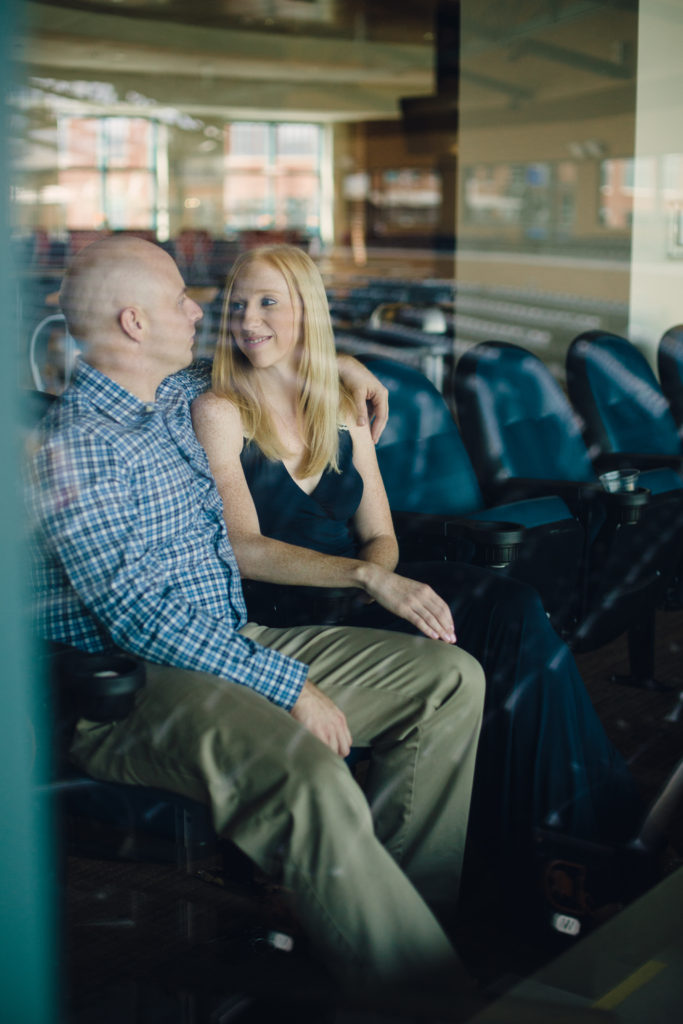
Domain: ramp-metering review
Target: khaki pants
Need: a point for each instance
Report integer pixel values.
(292, 805)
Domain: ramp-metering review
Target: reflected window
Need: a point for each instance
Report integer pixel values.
(538, 199)
(491, 194)
(566, 181)
(107, 172)
(672, 176)
(404, 200)
(272, 177)
(297, 139)
(626, 185)
(248, 140)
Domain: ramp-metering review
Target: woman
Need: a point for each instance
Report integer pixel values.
(305, 505)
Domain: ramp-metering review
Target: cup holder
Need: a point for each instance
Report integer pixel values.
(99, 687)
(498, 543)
(626, 507)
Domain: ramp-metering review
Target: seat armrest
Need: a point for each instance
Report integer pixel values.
(413, 523)
(638, 460)
(288, 604)
(99, 687)
(457, 538)
(575, 493)
(587, 500)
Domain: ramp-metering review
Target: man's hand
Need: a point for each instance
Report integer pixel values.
(366, 390)
(322, 717)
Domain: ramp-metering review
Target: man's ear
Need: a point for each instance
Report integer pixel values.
(130, 320)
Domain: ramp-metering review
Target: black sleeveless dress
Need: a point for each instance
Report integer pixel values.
(320, 520)
(544, 759)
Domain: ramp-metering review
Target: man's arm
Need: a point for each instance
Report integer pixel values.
(321, 716)
(91, 524)
(365, 390)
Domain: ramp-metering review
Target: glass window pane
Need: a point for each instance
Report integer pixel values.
(245, 139)
(672, 175)
(129, 200)
(296, 140)
(247, 203)
(297, 201)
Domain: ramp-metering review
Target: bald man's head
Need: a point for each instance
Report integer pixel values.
(103, 279)
(126, 304)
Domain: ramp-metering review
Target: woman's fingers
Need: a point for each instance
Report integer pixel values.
(438, 627)
(431, 614)
(419, 604)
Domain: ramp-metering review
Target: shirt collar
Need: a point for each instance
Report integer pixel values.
(189, 382)
(108, 396)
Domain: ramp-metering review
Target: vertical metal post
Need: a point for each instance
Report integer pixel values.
(28, 855)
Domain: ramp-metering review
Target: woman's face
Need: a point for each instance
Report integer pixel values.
(264, 323)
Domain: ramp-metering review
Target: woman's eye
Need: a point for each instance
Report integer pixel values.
(265, 301)
(236, 307)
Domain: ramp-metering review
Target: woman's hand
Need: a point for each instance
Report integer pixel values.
(413, 601)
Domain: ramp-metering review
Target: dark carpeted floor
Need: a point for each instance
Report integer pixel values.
(148, 943)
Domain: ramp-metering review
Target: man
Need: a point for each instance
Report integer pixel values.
(254, 720)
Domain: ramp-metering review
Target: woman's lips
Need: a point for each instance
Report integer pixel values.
(257, 341)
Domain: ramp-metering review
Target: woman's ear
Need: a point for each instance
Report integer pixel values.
(130, 321)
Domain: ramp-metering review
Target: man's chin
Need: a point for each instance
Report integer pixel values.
(181, 365)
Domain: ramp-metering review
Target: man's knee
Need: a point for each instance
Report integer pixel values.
(476, 685)
(312, 804)
(461, 673)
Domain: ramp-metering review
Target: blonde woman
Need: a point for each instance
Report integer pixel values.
(277, 398)
(305, 505)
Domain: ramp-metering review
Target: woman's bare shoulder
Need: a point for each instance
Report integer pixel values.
(216, 419)
(211, 406)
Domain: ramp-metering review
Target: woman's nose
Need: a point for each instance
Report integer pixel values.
(252, 314)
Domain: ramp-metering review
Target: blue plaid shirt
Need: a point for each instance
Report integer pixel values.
(130, 544)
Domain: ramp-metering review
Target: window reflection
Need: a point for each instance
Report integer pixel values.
(272, 177)
(298, 120)
(404, 200)
(531, 194)
(631, 185)
(107, 172)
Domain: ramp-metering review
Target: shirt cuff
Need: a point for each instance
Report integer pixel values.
(275, 676)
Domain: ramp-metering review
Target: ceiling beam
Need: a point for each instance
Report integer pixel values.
(211, 99)
(63, 37)
(573, 58)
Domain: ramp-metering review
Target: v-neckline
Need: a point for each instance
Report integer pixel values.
(309, 494)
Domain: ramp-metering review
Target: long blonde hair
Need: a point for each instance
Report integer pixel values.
(322, 400)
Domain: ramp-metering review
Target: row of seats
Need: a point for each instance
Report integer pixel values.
(520, 439)
(601, 562)
(202, 258)
(624, 407)
(516, 487)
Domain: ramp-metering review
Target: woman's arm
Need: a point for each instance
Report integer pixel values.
(218, 427)
(373, 523)
(413, 601)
